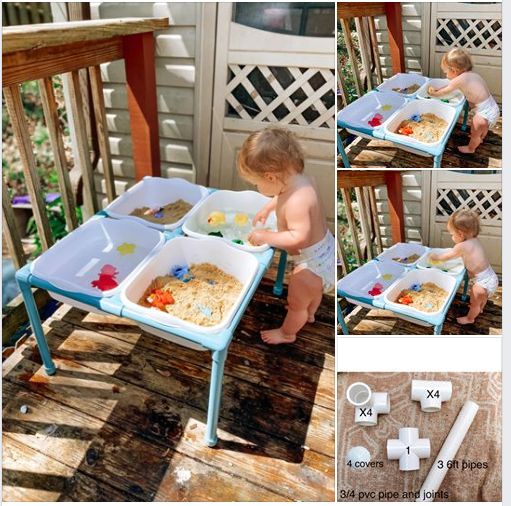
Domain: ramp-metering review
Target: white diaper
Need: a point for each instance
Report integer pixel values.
(320, 259)
(489, 110)
(488, 280)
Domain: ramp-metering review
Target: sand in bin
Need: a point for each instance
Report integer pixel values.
(204, 300)
(430, 129)
(408, 90)
(407, 260)
(171, 212)
(429, 298)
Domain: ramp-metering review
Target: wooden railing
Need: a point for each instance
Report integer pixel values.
(364, 183)
(24, 13)
(38, 52)
(363, 15)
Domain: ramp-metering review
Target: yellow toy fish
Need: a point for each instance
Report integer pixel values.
(216, 218)
(240, 219)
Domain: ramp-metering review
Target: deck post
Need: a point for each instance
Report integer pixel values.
(395, 200)
(395, 29)
(278, 287)
(139, 57)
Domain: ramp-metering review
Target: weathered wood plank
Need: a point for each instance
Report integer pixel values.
(102, 129)
(24, 38)
(352, 223)
(375, 48)
(20, 128)
(29, 475)
(22, 66)
(83, 154)
(352, 55)
(51, 117)
(347, 10)
(174, 427)
(10, 230)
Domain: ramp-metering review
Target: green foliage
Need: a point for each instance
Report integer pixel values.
(57, 221)
(345, 66)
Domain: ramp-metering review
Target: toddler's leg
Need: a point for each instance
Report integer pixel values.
(478, 132)
(304, 287)
(478, 298)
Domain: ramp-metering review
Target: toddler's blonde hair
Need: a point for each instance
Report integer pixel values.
(457, 59)
(465, 221)
(273, 150)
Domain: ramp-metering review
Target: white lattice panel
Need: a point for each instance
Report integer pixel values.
(284, 95)
(487, 203)
(471, 34)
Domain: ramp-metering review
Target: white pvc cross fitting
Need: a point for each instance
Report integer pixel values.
(409, 449)
(431, 394)
(368, 405)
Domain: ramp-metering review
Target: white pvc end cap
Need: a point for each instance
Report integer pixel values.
(358, 394)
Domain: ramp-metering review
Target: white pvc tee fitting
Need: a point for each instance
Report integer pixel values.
(408, 449)
(368, 405)
(431, 394)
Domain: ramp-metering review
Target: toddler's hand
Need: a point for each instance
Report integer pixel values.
(260, 217)
(432, 91)
(257, 237)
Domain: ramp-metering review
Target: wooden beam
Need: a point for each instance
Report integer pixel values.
(346, 10)
(394, 184)
(23, 37)
(350, 47)
(352, 178)
(352, 223)
(10, 231)
(24, 66)
(374, 47)
(395, 29)
(141, 84)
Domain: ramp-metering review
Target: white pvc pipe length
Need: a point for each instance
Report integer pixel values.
(448, 451)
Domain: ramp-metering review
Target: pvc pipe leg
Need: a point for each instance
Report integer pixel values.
(215, 394)
(437, 162)
(438, 329)
(35, 322)
(465, 116)
(340, 320)
(465, 288)
(278, 287)
(340, 150)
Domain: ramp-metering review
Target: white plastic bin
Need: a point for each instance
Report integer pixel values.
(401, 81)
(454, 266)
(74, 262)
(360, 112)
(403, 250)
(420, 107)
(186, 251)
(154, 192)
(453, 99)
(419, 276)
(362, 280)
(228, 202)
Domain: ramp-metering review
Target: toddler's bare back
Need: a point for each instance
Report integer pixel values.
(474, 256)
(473, 86)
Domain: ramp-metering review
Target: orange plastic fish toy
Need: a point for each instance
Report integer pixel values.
(406, 299)
(160, 298)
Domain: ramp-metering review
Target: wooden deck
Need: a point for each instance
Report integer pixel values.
(124, 417)
(380, 321)
(366, 154)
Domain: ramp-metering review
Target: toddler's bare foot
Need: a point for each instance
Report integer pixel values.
(465, 320)
(466, 149)
(276, 336)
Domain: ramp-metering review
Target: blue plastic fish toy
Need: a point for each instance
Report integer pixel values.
(416, 287)
(181, 272)
(416, 117)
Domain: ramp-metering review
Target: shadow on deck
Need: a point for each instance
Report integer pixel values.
(364, 153)
(124, 417)
(379, 321)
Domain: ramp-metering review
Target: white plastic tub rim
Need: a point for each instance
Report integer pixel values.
(359, 113)
(420, 107)
(453, 267)
(76, 260)
(365, 278)
(403, 250)
(403, 80)
(248, 201)
(418, 276)
(454, 98)
(156, 192)
(185, 251)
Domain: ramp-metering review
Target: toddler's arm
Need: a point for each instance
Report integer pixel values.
(263, 213)
(448, 255)
(294, 238)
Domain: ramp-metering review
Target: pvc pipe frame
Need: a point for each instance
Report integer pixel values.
(408, 449)
(431, 394)
(448, 451)
(368, 405)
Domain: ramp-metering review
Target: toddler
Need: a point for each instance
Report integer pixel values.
(273, 161)
(463, 225)
(457, 66)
